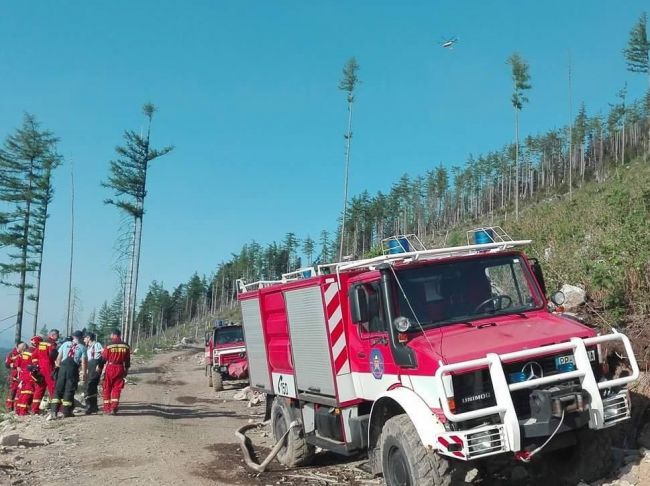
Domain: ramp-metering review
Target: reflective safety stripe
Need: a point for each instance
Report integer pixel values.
(120, 348)
(21, 405)
(26, 392)
(115, 399)
(36, 400)
(66, 403)
(55, 400)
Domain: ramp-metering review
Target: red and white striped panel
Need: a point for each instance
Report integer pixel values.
(336, 329)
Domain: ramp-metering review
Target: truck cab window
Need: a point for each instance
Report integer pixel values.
(464, 290)
(376, 321)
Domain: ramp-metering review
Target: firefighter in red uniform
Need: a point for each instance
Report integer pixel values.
(117, 357)
(39, 347)
(46, 353)
(29, 376)
(12, 377)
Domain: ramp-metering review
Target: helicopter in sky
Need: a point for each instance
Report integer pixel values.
(449, 43)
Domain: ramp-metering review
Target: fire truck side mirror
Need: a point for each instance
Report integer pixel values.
(358, 304)
(558, 298)
(537, 271)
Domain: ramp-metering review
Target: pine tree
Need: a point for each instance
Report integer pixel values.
(637, 55)
(521, 83)
(579, 133)
(308, 246)
(24, 159)
(290, 244)
(638, 48)
(325, 253)
(103, 321)
(109, 317)
(348, 84)
(194, 295)
(128, 180)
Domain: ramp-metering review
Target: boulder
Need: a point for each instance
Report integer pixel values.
(242, 394)
(574, 296)
(255, 399)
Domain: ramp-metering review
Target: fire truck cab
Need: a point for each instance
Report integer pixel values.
(225, 353)
(429, 359)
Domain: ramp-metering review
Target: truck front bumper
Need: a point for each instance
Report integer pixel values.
(607, 403)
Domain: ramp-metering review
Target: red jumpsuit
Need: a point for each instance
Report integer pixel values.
(28, 379)
(45, 354)
(12, 378)
(117, 357)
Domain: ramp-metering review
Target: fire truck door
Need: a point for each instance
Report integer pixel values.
(373, 359)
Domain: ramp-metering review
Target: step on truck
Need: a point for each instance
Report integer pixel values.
(432, 360)
(225, 353)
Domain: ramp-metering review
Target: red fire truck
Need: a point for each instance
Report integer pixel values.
(431, 359)
(225, 354)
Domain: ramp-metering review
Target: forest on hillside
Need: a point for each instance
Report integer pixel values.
(594, 148)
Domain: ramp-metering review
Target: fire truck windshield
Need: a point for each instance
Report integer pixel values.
(227, 335)
(462, 290)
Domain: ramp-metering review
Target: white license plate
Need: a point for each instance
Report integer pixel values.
(562, 360)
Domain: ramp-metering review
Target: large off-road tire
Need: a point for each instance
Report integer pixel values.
(217, 381)
(296, 451)
(590, 459)
(208, 371)
(406, 462)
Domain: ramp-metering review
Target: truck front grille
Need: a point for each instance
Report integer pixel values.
(225, 359)
(521, 398)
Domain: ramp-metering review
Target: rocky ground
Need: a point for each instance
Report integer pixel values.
(172, 429)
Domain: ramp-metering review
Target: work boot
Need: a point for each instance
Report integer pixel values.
(91, 406)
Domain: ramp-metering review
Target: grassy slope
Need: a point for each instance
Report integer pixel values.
(600, 240)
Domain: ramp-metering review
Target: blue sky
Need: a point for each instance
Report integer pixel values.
(247, 92)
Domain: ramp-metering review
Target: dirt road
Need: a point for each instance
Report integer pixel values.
(173, 429)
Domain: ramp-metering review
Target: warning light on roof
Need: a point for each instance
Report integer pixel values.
(398, 245)
(483, 236)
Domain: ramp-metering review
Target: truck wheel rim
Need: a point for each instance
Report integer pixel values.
(398, 471)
